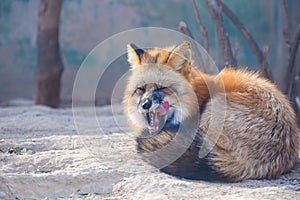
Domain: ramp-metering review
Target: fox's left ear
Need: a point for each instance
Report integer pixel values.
(134, 54)
(180, 55)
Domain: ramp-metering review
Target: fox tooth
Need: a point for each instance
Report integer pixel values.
(151, 118)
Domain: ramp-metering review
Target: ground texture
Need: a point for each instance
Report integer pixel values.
(45, 155)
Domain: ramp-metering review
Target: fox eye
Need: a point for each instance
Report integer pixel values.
(139, 91)
(165, 90)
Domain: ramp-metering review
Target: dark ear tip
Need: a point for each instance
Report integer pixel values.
(138, 50)
(133, 46)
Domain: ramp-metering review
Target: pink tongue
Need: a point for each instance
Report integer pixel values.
(163, 108)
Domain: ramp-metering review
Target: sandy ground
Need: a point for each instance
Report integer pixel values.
(42, 156)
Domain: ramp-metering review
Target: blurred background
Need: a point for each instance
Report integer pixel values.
(84, 24)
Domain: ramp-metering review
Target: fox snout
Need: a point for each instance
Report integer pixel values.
(147, 104)
(150, 101)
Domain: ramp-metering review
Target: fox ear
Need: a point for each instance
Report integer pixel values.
(180, 55)
(134, 54)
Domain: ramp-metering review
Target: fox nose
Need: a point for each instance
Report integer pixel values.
(147, 104)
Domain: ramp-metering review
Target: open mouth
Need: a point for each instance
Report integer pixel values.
(156, 118)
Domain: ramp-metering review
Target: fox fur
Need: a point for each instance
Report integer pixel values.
(258, 138)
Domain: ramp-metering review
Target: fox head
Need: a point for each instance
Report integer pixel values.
(158, 95)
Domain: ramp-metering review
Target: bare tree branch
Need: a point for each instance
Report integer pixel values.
(291, 71)
(264, 65)
(236, 49)
(184, 29)
(292, 67)
(202, 28)
(262, 59)
(201, 57)
(286, 32)
(216, 15)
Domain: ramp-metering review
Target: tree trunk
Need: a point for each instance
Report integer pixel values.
(49, 65)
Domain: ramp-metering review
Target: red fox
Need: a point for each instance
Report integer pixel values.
(258, 138)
